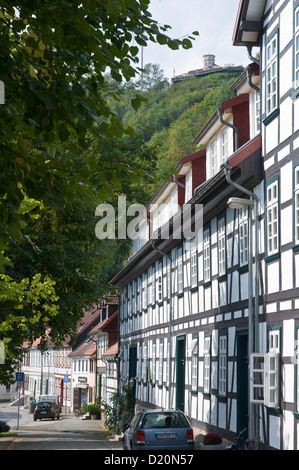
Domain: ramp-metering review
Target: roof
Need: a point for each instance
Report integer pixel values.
(103, 325)
(249, 23)
(87, 348)
(112, 351)
(225, 106)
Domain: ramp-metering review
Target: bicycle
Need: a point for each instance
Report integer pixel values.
(240, 443)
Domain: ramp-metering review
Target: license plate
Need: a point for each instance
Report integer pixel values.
(166, 435)
(43, 412)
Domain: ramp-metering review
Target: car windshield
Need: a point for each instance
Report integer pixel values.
(164, 420)
(44, 404)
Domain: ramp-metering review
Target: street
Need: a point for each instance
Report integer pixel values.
(67, 433)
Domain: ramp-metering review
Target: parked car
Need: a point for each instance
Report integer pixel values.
(4, 426)
(159, 430)
(46, 409)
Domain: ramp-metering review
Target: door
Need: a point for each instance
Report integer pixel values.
(180, 372)
(132, 374)
(242, 381)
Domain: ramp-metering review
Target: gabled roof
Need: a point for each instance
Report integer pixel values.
(103, 326)
(112, 351)
(204, 135)
(249, 23)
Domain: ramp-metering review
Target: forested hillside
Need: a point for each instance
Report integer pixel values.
(173, 114)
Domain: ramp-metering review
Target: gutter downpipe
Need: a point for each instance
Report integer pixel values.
(232, 126)
(253, 317)
(170, 318)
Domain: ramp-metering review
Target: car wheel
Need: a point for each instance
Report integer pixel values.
(35, 418)
(58, 416)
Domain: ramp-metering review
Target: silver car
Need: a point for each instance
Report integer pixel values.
(159, 430)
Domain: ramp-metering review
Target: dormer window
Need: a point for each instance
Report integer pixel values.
(213, 159)
(188, 186)
(224, 148)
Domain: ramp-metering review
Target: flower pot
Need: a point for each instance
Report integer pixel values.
(211, 447)
(93, 417)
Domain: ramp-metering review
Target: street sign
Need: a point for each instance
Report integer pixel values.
(20, 376)
(66, 379)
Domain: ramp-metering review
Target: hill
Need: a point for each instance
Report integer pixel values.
(173, 115)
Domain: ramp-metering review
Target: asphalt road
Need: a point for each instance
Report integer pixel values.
(67, 433)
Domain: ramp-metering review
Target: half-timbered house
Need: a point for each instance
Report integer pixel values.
(209, 320)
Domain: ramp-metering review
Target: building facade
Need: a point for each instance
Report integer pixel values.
(209, 319)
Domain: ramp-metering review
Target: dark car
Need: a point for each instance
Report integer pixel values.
(159, 430)
(46, 409)
(4, 426)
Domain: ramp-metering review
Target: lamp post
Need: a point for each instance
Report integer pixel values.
(253, 327)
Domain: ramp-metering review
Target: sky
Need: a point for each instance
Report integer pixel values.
(213, 19)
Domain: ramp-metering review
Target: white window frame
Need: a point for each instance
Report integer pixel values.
(180, 267)
(243, 236)
(161, 361)
(272, 218)
(296, 48)
(257, 111)
(264, 373)
(206, 255)
(296, 204)
(221, 247)
(193, 263)
(222, 372)
(207, 365)
(153, 300)
(194, 364)
(144, 291)
(160, 282)
(188, 186)
(224, 145)
(272, 75)
(153, 375)
(144, 363)
(213, 157)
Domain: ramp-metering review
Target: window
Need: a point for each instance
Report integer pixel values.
(264, 373)
(144, 292)
(194, 364)
(138, 295)
(153, 285)
(154, 363)
(296, 205)
(296, 49)
(221, 247)
(272, 75)
(207, 364)
(243, 236)
(206, 256)
(168, 278)
(160, 283)
(213, 158)
(180, 269)
(144, 363)
(222, 374)
(272, 218)
(161, 360)
(257, 111)
(193, 263)
(188, 186)
(224, 149)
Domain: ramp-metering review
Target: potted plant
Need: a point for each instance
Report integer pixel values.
(212, 441)
(94, 410)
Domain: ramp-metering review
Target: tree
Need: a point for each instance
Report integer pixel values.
(54, 56)
(54, 59)
(152, 75)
